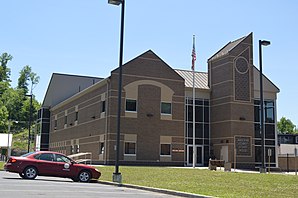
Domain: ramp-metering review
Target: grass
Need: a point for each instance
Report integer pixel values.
(206, 182)
(2, 165)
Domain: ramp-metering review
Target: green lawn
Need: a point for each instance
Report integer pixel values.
(206, 182)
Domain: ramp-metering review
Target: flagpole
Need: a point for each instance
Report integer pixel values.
(194, 150)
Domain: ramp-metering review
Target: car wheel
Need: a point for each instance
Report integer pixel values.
(84, 176)
(30, 172)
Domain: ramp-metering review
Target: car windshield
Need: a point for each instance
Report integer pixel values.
(27, 154)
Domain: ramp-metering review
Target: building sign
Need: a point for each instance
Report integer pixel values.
(178, 150)
(243, 145)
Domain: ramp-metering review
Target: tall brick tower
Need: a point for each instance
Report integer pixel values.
(230, 73)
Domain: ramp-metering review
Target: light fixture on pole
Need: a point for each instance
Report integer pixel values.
(117, 177)
(262, 131)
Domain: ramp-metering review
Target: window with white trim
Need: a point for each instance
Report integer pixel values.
(166, 108)
(131, 105)
(165, 149)
(103, 106)
(130, 148)
(102, 148)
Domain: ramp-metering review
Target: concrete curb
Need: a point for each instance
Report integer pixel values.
(159, 190)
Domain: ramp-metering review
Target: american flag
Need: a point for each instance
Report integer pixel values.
(193, 54)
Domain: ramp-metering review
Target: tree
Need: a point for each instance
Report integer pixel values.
(285, 126)
(13, 100)
(4, 71)
(14, 105)
(3, 117)
(26, 75)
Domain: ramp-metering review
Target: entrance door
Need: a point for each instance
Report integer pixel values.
(199, 161)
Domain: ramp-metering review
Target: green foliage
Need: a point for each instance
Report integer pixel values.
(26, 108)
(3, 117)
(20, 141)
(26, 75)
(4, 70)
(206, 182)
(285, 126)
(14, 104)
(13, 101)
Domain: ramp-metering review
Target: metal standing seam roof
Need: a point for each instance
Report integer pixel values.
(201, 78)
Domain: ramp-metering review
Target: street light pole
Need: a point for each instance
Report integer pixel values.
(262, 131)
(117, 177)
(8, 144)
(30, 119)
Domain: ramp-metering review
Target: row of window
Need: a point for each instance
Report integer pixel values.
(130, 148)
(269, 121)
(201, 130)
(102, 110)
(269, 129)
(202, 115)
(269, 111)
(198, 102)
(202, 110)
(131, 106)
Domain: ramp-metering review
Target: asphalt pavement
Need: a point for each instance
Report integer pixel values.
(12, 186)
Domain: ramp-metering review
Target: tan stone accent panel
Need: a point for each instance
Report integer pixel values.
(131, 114)
(129, 158)
(166, 158)
(165, 117)
(165, 139)
(131, 90)
(130, 137)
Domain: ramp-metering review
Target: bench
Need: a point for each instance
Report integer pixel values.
(213, 164)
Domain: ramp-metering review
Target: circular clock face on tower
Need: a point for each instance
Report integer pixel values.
(241, 65)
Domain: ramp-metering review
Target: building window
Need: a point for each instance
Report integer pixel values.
(78, 148)
(166, 108)
(269, 128)
(55, 124)
(72, 149)
(165, 149)
(103, 106)
(65, 119)
(131, 105)
(102, 148)
(77, 116)
(130, 148)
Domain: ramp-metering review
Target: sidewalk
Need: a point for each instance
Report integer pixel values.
(241, 170)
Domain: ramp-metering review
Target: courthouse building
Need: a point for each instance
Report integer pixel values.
(79, 114)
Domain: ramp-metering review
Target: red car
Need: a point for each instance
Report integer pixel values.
(46, 163)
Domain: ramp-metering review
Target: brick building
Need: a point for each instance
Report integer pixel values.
(79, 113)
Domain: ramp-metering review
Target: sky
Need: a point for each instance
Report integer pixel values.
(82, 37)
